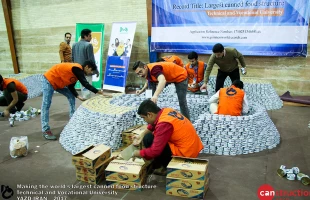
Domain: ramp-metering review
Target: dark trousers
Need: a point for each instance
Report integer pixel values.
(164, 158)
(7, 98)
(221, 76)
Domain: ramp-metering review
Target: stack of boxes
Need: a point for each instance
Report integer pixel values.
(127, 175)
(127, 136)
(91, 162)
(187, 177)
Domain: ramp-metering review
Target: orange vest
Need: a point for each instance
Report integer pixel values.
(61, 75)
(19, 86)
(177, 60)
(230, 101)
(191, 74)
(172, 72)
(184, 140)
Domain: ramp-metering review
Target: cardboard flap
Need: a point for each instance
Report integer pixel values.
(188, 164)
(127, 153)
(131, 129)
(140, 130)
(124, 166)
(96, 151)
(204, 159)
(84, 150)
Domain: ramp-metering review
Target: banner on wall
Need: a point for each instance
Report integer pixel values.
(97, 42)
(254, 27)
(119, 52)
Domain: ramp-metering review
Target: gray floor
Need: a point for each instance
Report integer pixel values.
(239, 177)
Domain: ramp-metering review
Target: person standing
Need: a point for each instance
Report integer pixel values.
(83, 50)
(195, 70)
(162, 73)
(15, 94)
(226, 59)
(62, 78)
(65, 51)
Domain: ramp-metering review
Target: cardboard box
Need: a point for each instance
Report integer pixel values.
(94, 172)
(187, 168)
(186, 183)
(127, 185)
(78, 158)
(122, 170)
(127, 135)
(90, 179)
(96, 156)
(189, 193)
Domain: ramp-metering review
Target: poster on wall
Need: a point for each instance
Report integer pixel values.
(254, 27)
(118, 58)
(97, 42)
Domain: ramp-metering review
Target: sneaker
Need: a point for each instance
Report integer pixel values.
(49, 135)
(161, 171)
(1, 114)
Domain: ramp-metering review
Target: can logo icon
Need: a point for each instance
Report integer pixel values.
(265, 192)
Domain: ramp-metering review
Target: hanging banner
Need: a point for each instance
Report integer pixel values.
(119, 52)
(97, 42)
(254, 27)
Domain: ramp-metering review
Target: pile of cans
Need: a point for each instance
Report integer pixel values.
(293, 174)
(258, 91)
(235, 135)
(32, 82)
(24, 115)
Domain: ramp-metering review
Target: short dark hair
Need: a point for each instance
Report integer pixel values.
(218, 48)
(138, 64)
(238, 84)
(67, 33)
(160, 60)
(148, 106)
(1, 79)
(85, 32)
(192, 55)
(91, 64)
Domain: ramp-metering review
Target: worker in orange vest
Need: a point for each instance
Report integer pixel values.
(175, 59)
(14, 96)
(168, 134)
(195, 70)
(62, 78)
(230, 101)
(162, 73)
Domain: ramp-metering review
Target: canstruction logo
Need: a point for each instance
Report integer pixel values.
(266, 192)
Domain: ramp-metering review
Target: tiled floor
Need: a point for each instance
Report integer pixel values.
(239, 177)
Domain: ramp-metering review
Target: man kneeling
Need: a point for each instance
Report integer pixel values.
(230, 101)
(173, 135)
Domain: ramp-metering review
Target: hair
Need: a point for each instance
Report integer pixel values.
(148, 106)
(218, 48)
(192, 55)
(238, 84)
(160, 60)
(85, 32)
(91, 64)
(1, 79)
(138, 64)
(67, 33)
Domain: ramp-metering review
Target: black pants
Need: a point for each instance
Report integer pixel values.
(164, 158)
(221, 76)
(7, 98)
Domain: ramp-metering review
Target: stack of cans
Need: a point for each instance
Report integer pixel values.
(235, 135)
(258, 91)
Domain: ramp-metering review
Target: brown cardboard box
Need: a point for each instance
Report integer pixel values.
(186, 183)
(127, 185)
(94, 172)
(90, 179)
(96, 156)
(122, 170)
(190, 193)
(127, 136)
(78, 158)
(188, 168)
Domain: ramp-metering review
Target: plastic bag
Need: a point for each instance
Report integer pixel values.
(19, 146)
